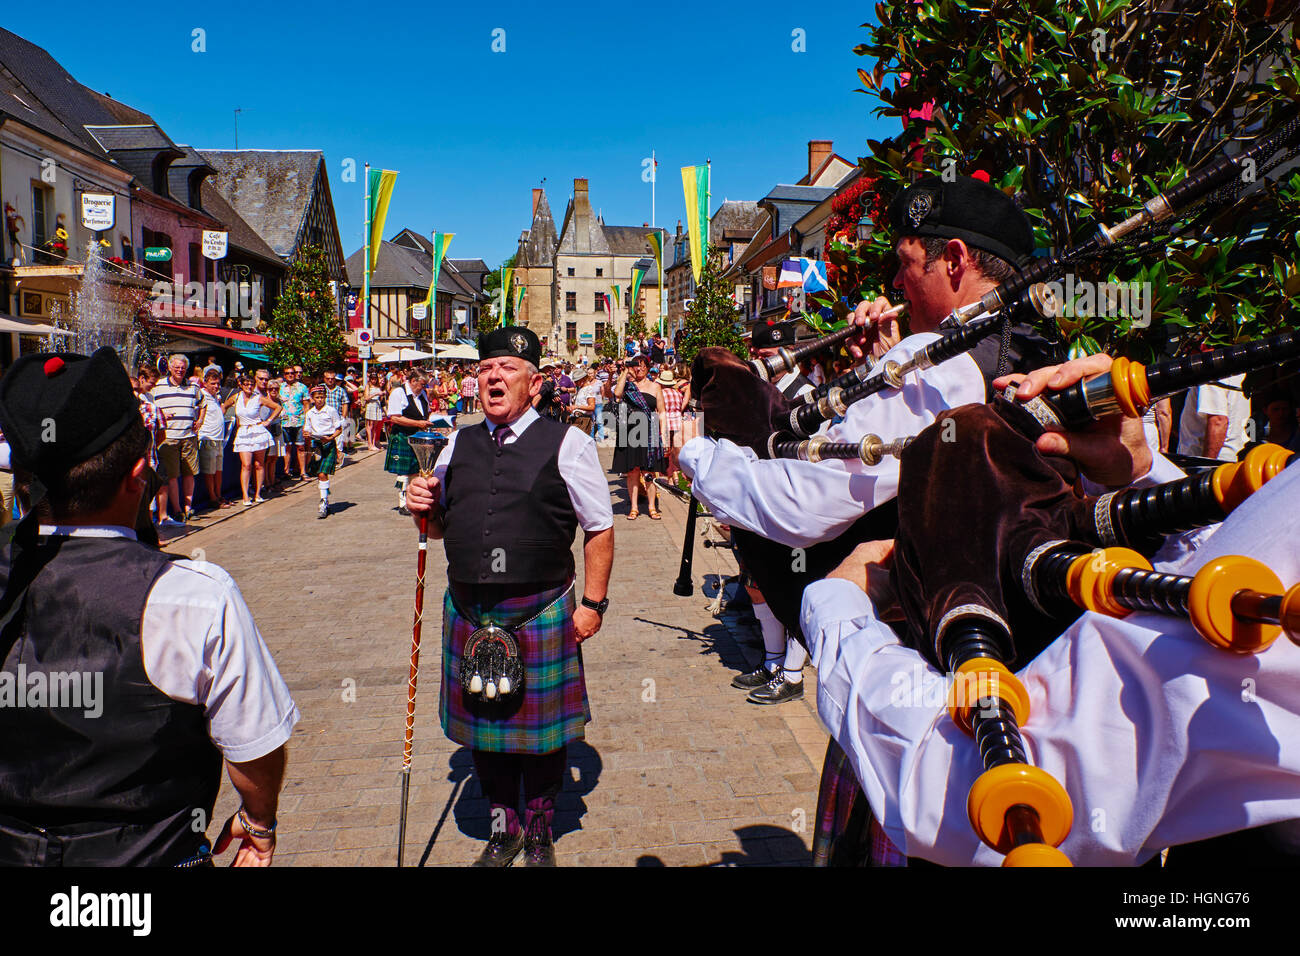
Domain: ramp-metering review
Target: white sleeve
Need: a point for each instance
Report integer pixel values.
(1159, 738)
(201, 646)
(799, 503)
(579, 465)
(397, 402)
(796, 503)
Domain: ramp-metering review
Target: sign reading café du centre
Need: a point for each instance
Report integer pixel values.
(214, 244)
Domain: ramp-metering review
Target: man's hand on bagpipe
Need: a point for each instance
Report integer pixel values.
(1112, 451)
(880, 329)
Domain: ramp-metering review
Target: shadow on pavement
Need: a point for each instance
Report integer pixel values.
(760, 845)
(472, 812)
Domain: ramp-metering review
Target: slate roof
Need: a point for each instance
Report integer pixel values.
(537, 245)
(242, 235)
(271, 189)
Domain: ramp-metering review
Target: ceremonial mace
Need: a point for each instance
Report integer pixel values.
(426, 446)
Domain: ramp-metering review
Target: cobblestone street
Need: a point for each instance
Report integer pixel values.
(677, 768)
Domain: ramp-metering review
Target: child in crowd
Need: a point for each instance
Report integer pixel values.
(322, 427)
(212, 437)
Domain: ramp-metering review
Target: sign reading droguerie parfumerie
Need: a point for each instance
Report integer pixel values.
(98, 211)
(214, 244)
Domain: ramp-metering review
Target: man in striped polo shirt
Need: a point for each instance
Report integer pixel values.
(183, 407)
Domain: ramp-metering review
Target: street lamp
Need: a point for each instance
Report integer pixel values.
(865, 228)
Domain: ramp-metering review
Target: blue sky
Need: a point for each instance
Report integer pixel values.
(582, 89)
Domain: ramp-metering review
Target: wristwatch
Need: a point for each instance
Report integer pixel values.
(598, 606)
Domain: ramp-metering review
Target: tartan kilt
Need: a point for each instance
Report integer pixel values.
(550, 710)
(329, 460)
(847, 832)
(399, 459)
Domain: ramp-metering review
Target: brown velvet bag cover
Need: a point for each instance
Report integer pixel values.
(970, 511)
(735, 402)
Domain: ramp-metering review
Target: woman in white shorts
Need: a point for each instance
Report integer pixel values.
(251, 437)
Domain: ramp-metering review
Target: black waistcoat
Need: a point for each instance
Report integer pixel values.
(117, 788)
(509, 516)
(418, 410)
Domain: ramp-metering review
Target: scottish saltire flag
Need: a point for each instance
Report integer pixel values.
(791, 276)
(381, 192)
(814, 275)
(695, 183)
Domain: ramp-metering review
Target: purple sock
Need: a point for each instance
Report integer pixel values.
(543, 779)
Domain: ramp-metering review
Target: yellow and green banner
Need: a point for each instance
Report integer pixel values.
(638, 273)
(519, 299)
(441, 240)
(695, 182)
(381, 192)
(618, 296)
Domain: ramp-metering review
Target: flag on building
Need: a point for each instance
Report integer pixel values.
(791, 275)
(618, 292)
(609, 312)
(814, 275)
(381, 192)
(519, 298)
(441, 240)
(354, 310)
(695, 182)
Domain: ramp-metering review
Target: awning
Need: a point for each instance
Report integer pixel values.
(9, 323)
(216, 332)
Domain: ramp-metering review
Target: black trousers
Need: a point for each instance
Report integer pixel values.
(541, 776)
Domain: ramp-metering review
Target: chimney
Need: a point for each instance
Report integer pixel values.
(579, 188)
(679, 228)
(537, 197)
(818, 151)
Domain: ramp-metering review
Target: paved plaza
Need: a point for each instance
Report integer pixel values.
(677, 768)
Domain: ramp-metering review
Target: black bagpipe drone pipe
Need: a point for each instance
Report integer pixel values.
(978, 319)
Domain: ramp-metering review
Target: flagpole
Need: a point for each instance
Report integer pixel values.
(365, 283)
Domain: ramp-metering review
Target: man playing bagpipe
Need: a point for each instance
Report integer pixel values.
(322, 425)
(1159, 739)
(956, 241)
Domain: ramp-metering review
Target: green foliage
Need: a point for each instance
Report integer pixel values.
(713, 318)
(304, 327)
(1084, 109)
(636, 323)
(609, 345)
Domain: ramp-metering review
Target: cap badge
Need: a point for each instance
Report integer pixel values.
(518, 342)
(919, 208)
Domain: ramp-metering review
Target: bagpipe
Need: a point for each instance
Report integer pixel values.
(989, 573)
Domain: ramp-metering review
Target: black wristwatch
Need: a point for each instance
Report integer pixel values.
(598, 606)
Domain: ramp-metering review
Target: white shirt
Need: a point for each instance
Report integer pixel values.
(1158, 737)
(588, 393)
(322, 422)
(214, 419)
(1206, 400)
(579, 467)
(201, 646)
(789, 379)
(397, 400)
(799, 503)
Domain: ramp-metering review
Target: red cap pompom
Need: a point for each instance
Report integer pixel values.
(53, 366)
(981, 175)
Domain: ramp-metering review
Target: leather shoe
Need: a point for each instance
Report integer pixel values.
(539, 850)
(501, 849)
(754, 679)
(776, 691)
